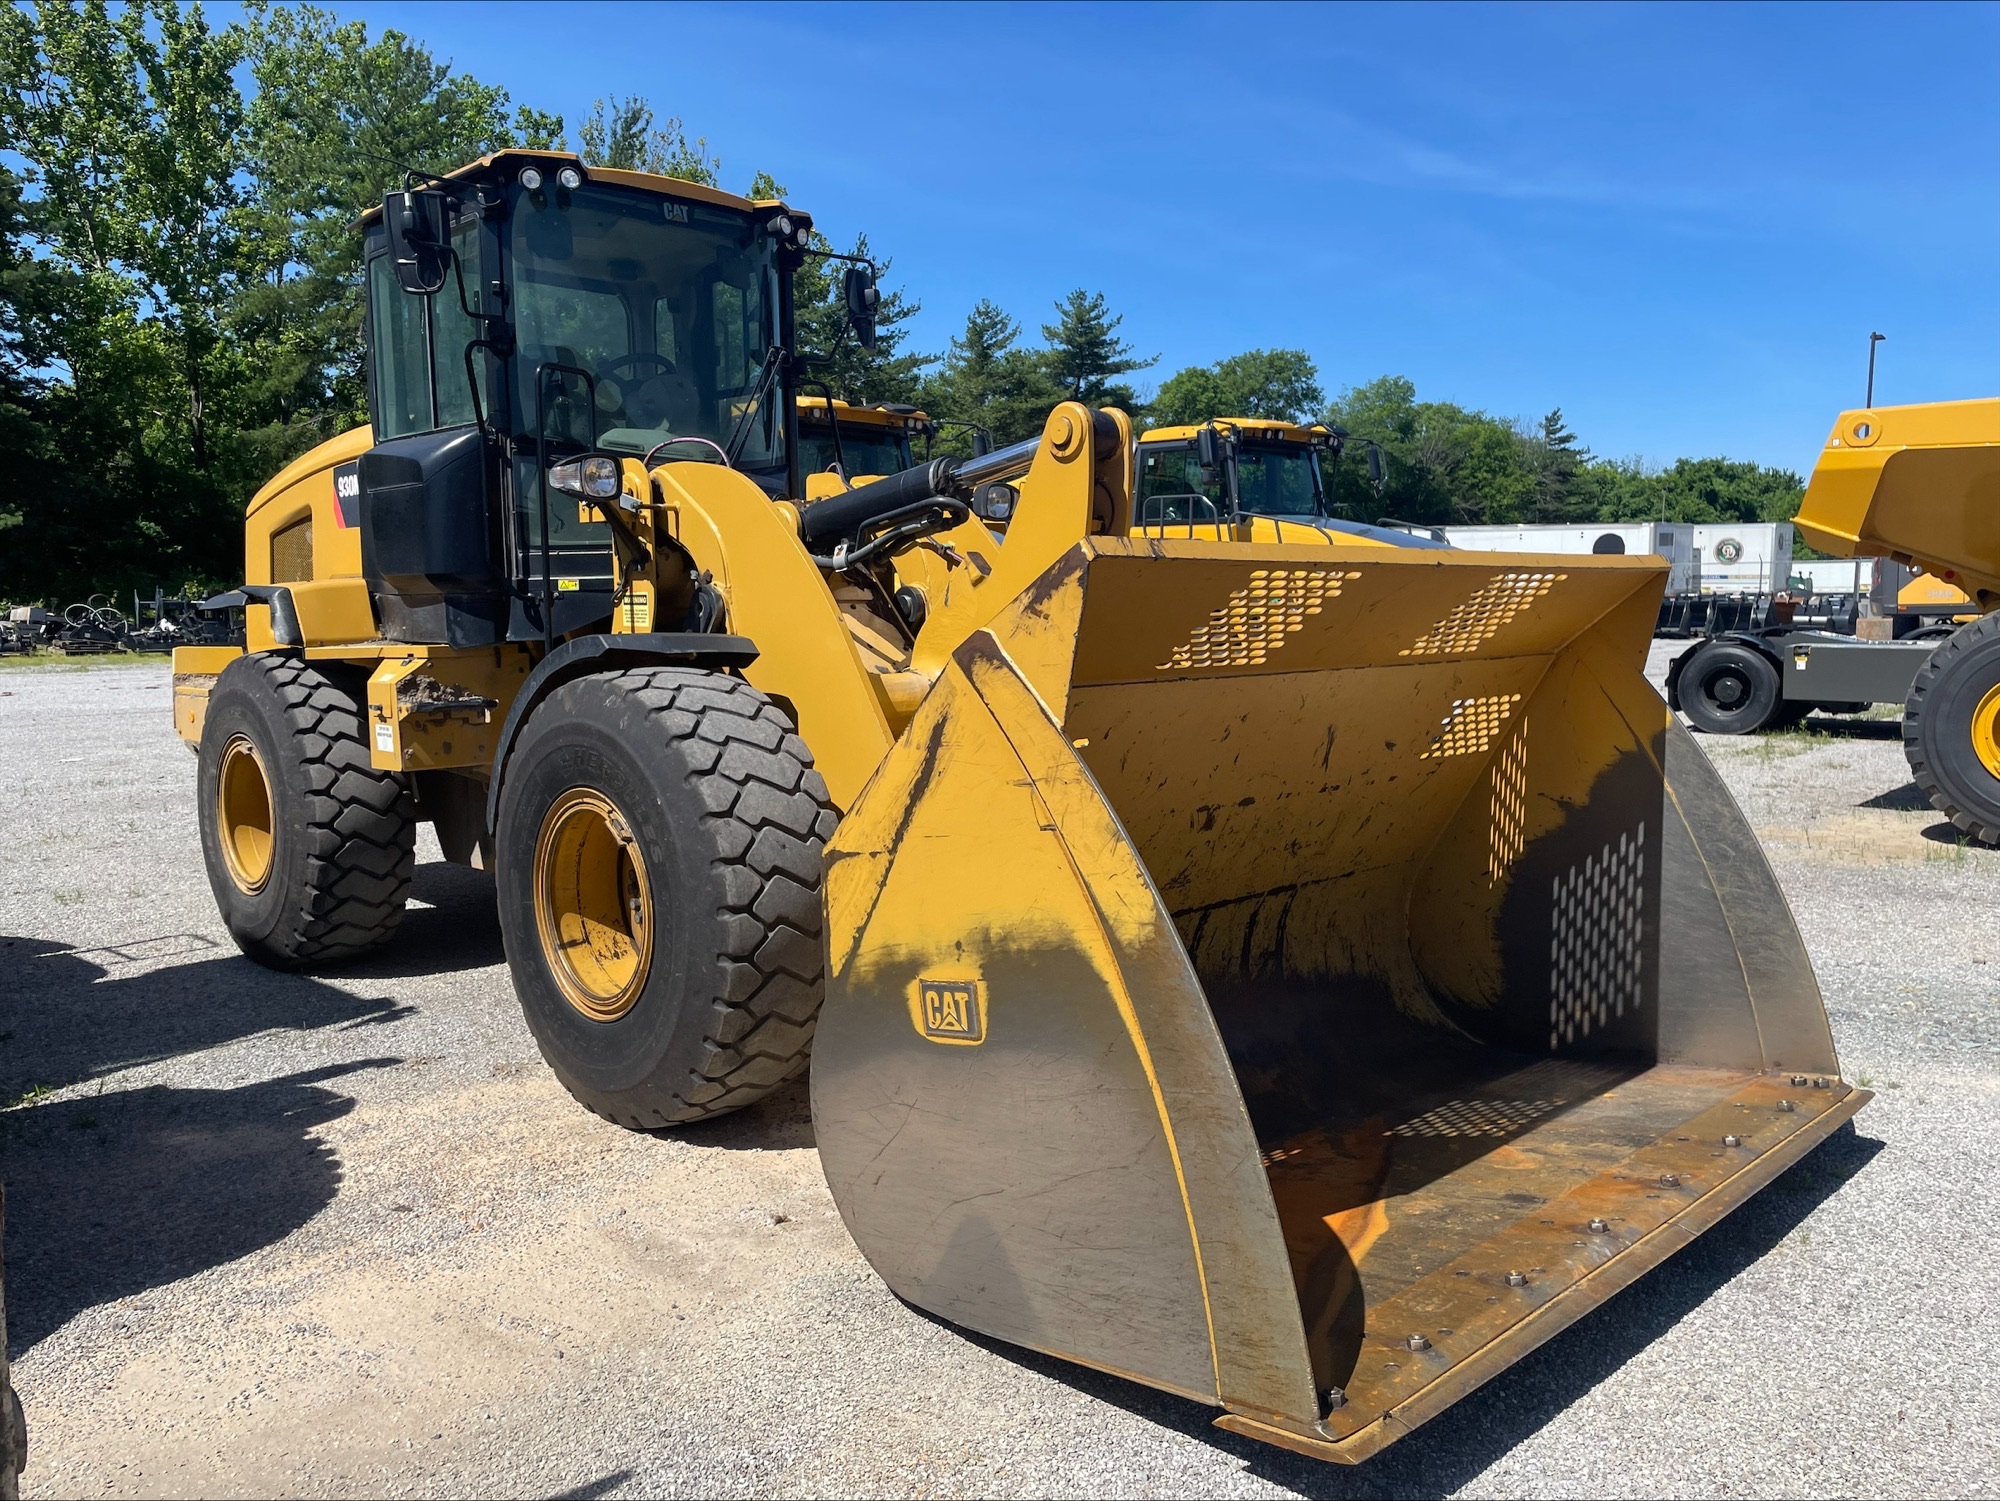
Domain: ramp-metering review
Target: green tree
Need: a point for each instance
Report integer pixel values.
(1444, 463)
(1084, 352)
(988, 380)
(1281, 383)
(126, 122)
(622, 133)
(1556, 459)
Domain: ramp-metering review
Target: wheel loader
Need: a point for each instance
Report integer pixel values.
(842, 443)
(1264, 478)
(1299, 975)
(1919, 485)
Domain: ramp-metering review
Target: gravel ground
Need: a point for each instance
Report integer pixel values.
(333, 1236)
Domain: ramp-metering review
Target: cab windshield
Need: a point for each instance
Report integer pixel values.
(1278, 479)
(865, 448)
(638, 319)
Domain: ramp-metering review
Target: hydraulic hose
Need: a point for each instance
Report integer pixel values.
(840, 516)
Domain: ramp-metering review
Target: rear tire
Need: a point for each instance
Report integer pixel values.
(1951, 729)
(309, 848)
(659, 852)
(1727, 688)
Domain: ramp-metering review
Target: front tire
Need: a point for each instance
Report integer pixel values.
(660, 845)
(309, 849)
(1951, 729)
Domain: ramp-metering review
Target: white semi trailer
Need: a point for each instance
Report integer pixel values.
(1671, 540)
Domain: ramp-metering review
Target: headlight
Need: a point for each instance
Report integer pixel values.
(782, 227)
(570, 178)
(594, 478)
(531, 179)
(804, 236)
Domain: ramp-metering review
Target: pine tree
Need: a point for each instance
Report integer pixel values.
(621, 134)
(1085, 352)
(988, 380)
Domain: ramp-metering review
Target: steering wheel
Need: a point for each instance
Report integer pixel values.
(612, 367)
(630, 391)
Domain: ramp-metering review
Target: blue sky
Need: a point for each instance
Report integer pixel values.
(1680, 224)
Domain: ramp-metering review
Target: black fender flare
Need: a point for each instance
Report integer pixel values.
(1741, 638)
(585, 654)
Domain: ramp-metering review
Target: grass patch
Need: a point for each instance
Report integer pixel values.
(56, 662)
(67, 897)
(1936, 853)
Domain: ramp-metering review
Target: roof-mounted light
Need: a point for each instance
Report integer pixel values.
(570, 178)
(782, 226)
(531, 179)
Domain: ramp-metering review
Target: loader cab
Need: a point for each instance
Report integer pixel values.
(527, 310)
(841, 441)
(1231, 467)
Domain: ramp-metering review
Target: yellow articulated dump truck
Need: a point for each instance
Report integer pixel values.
(1299, 977)
(1919, 485)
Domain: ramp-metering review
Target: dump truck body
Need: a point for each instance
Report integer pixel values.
(1234, 936)
(1919, 486)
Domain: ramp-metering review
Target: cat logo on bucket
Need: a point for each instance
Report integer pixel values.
(948, 1011)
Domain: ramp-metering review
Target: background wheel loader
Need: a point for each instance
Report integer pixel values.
(1263, 478)
(1920, 485)
(841, 440)
(1301, 977)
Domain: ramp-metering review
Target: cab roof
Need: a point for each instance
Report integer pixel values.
(877, 414)
(646, 182)
(1273, 429)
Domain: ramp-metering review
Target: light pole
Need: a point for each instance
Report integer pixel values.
(1873, 340)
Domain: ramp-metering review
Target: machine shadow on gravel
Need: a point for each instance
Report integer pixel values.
(111, 1195)
(453, 925)
(1449, 1453)
(68, 1015)
(1908, 798)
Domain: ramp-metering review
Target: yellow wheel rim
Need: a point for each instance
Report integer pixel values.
(593, 907)
(1986, 730)
(243, 820)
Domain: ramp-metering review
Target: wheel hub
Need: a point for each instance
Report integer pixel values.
(1727, 689)
(243, 820)
(593, 904)
(1986, 731)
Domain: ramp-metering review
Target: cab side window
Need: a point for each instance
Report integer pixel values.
(1170, 479)
(399, 349)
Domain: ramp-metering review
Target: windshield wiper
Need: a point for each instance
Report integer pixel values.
(774, 361)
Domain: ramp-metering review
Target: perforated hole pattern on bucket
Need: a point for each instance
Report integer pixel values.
(1258, 618)
(1470, 726)
(1479, 618)
(1510, 804)
(1476, 1117)
(1594, 951)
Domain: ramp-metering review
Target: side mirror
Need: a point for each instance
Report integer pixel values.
(858, 286)
(1375, 471)
(419, 225)
(1206, 450)
(982, 442)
